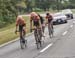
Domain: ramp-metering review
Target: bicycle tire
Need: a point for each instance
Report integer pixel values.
(21, 44)
(38, 38)
(25, 43)
(50, 31)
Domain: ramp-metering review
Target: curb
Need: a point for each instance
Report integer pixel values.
(5, 44)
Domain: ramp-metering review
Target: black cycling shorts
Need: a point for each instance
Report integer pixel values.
(49, 20)
(21, 28)
(36, 23)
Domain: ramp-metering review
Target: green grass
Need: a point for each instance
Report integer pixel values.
(7, 27)
(8, 33)
(73, 10)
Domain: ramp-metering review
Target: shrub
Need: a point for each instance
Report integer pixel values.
(37, 10)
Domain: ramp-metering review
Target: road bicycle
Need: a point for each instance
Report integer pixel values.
(23, 41)
(38, 37)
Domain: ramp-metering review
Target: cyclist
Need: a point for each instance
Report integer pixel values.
(49, 20)
(20, 22)
(36, 22)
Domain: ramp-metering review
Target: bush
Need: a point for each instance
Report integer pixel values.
(37, 10)
(2, 24)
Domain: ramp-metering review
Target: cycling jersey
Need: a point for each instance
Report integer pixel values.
(35, 20)
(49, 17)
(20, 21)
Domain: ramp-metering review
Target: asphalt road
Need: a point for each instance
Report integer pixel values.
(62, 45)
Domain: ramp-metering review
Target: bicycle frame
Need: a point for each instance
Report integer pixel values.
(38, 36)
(50, 28)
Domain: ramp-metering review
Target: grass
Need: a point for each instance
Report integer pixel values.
(73, 10)
(7, 27)
(7, 33)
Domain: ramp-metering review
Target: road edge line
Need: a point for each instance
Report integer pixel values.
(9, 42)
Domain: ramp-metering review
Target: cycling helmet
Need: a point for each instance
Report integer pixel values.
(47, 13)
(33, 14)
(19, 17)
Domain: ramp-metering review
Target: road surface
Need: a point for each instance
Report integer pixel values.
(62, 45)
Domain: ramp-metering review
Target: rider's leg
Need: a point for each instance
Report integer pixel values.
(21, 36)
(40, 32)
(35, 33)
(49, 28)
(24, 31)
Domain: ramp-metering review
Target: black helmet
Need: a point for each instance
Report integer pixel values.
(47, 13)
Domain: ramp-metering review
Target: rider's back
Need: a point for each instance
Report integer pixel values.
(20, 21)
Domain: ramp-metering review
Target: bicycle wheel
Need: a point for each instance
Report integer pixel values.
(22, 44)
(50, 31)
(40, 37)
(39, 34)
(38, 44)
(25, 41)
(43, 29)
(37, 38)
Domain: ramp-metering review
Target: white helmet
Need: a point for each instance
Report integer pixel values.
(19, 17)
(33, 14)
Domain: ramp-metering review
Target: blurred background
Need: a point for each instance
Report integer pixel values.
(9, 9)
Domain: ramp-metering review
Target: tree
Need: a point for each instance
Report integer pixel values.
(28, 4)
(8, 11)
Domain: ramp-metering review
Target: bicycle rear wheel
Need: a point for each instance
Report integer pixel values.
(38, 37)
(50, 28)
(22, 44)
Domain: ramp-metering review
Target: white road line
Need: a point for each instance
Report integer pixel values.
(71, 26)
(46, 47)
(65, 33)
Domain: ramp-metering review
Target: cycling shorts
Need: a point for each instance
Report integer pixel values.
(21, 27)
(36, 23)
(49, 20)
